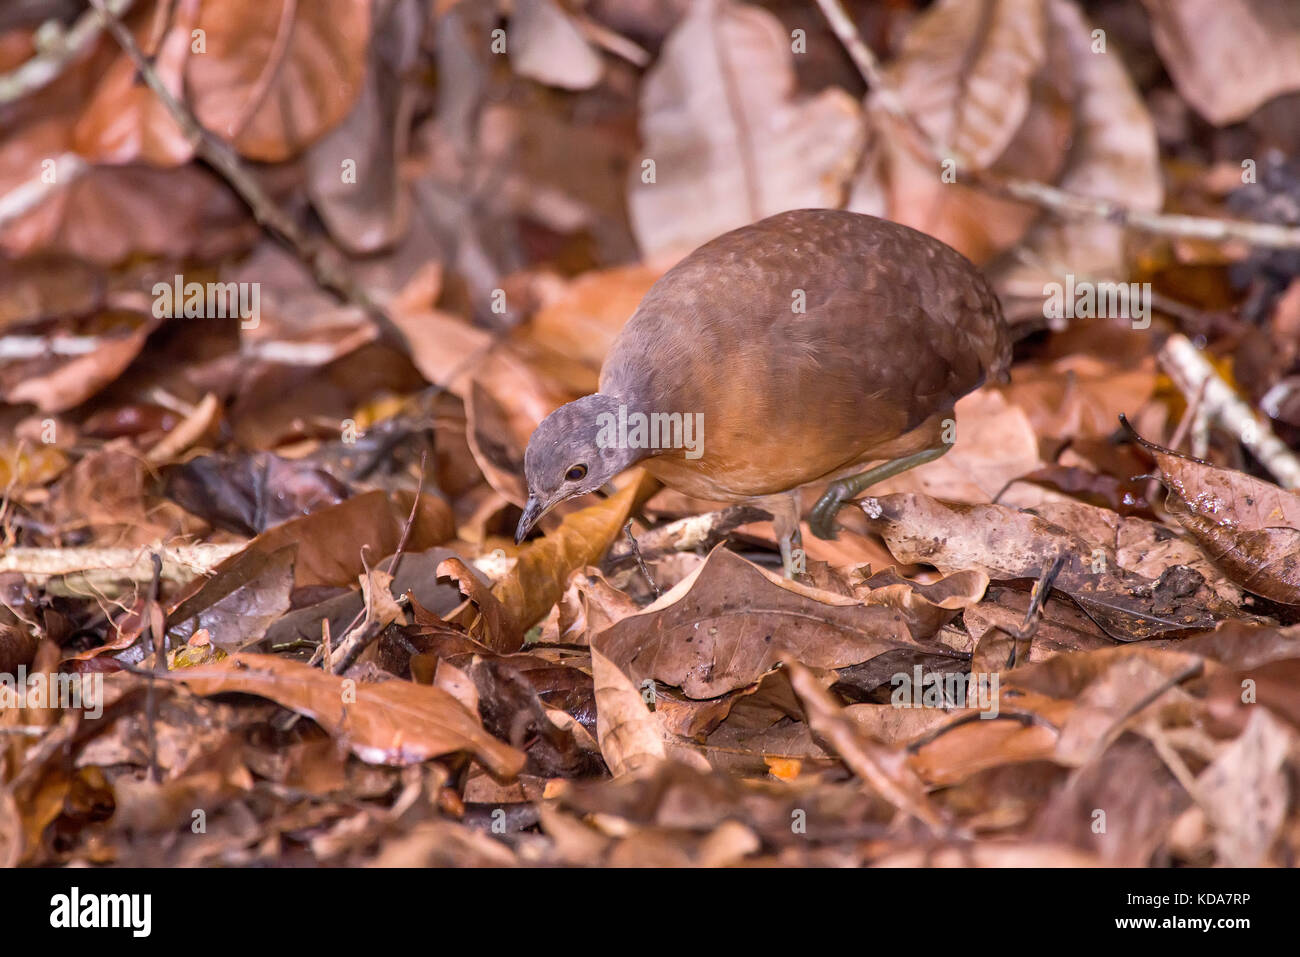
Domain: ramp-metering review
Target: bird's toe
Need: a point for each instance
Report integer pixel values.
(822, 519)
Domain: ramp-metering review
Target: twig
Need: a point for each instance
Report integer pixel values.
(1034, 613)
(1058, 201)
(159, 636)
(264, 209)
(32, 730)
(688, 534)
(612, 42)
(54, 58)
(640, 562)
(68, 167)
(1192, 420)
(110, 566)
(1192, 372)
(358, 639)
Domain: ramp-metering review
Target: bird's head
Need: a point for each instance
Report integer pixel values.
(566, 456)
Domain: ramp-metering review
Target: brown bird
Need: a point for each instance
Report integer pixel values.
(798, 349)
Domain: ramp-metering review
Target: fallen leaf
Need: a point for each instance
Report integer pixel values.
(1248, 527)
(728, 624)
(276, 76)
(1228, 56)
(741, 145)
(390, 722)
(542, 571)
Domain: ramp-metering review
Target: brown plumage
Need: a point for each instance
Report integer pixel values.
(895, 327)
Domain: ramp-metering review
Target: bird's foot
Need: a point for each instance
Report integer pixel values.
(822, 518)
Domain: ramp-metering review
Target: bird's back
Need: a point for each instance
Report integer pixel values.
(809, 341)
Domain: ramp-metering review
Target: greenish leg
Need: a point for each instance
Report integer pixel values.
(822, 520)
(784, 509)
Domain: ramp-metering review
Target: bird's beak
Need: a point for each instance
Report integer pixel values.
(533, 511)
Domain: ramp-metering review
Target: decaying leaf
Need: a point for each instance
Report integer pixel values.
(1228, 57)
(1017, 545)
(1250, 528)
(730, 142)
(703, 637)
(540, 574)
(391, 722)
(277, 76)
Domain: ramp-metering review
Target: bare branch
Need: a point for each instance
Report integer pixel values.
(1058, 201)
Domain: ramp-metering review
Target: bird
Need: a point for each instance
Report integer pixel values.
(802, 347)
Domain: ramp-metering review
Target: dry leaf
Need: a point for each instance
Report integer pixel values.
(729, 140)
(1228, 56)
(727, 624)
(392, 722)
(1248, 527)
(276, 76)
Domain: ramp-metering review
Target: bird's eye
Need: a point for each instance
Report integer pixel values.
(576, 473)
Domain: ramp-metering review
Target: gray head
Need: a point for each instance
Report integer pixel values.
(564, 459)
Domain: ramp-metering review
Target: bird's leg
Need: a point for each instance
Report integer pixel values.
(785, 522)
(822, 519)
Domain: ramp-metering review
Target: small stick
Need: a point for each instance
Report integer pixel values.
(1034, 613)
(1191, 371)
(49, 64)
(151, 610)
(264, 209)
(1058, 201)
(640, 562)
(358, 639)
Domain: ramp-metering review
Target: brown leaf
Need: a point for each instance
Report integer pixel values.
(54, 383)
(964, 71)
(1245, 791)
(369, 211)
(238, 603)
(630, 735)
(741, 146)
(329, 540)
(883, 768)
(925, 607)
(995, 444)
(124, 121)
(542, 571)
(276, 76)
(1079, 396)
(1228, 56)
(1008, 544)
(973, 76)
(1113, 155)
(1248, 527)
(546, 45)
(728, 624)
(570, 335)
(390, 722)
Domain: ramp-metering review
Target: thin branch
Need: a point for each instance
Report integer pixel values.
(1058, 201)
(112, 566)
(68, 168)
(359, 638)
(55, 57)
(640, 562)
(264, 209)
(1192, 372)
